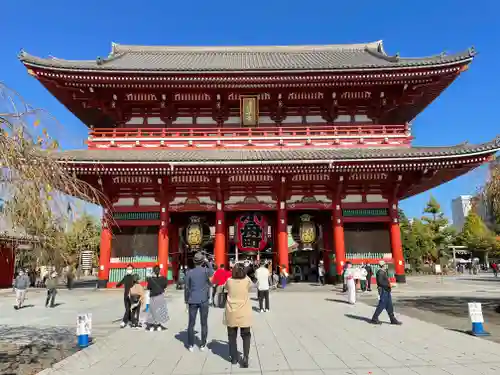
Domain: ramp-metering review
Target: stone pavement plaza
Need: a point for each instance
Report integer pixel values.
(306, 332)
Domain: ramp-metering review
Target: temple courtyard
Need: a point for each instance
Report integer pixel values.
(310, 329)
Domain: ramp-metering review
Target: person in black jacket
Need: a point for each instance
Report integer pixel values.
(369, 275)
(385, 298)
(158, 312)
(127, 282)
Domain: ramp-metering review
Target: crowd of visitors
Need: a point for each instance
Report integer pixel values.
(206, 285)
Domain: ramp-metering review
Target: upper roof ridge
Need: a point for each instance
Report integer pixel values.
(117, 48)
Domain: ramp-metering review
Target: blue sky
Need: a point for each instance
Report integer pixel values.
(467, 111)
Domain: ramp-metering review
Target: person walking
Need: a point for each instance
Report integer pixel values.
(238, 313)
(363, 275)
(262, 278)
(219, 279)
(197, 297)
(385, 298)
(283, 276)
(350, 283)
(127, 282)
(369, 275)
(494, 267)
(158, 312)
(21, 284)
(321, 272)
(51, 286)
(70, 276)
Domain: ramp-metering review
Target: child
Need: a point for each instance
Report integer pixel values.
(51, 285)
(136, 296)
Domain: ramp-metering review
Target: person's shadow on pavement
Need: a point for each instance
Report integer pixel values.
(219, 348)
(182, 336)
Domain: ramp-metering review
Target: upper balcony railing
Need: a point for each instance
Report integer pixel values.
(270, 137)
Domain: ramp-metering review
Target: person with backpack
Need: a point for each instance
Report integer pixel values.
(137, 297)
(197, 297)
(127, 282)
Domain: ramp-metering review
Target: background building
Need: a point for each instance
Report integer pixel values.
(460, 208)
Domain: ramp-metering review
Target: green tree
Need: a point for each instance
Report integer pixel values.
(83, 234)
(476, 235)
(424, 240)
(491, 192)
(441, 232)
(411, 250)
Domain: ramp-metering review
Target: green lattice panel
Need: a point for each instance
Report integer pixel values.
(136, 215)
(116, 274)
(365, 212)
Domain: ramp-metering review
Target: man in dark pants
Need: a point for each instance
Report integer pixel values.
(385, 300)
(197, 297)
(369, 275)
(127, 282)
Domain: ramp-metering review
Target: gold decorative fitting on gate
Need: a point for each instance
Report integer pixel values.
(249, 110)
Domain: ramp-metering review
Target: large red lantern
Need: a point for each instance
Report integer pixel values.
(251, 232)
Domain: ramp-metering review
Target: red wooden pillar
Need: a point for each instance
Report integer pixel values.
(339, 243)
(220, 236)
(397, 245)
(282, 236)
(163, 239)
(104, 252)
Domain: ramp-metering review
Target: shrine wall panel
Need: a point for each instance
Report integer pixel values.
(135, 244)
(367, 239)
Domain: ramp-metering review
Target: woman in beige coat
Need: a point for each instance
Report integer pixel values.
(238, 313)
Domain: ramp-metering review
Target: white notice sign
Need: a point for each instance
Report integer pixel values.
(83, 324)
(476, 312)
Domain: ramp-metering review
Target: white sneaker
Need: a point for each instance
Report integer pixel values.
(267, 310)
(191, 349)
(202, 348)
(122, 325)
(151, 329)
(261, 311)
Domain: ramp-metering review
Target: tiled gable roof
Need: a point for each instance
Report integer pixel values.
(363, 56)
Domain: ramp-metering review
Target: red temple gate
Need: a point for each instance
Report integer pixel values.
(279, 131)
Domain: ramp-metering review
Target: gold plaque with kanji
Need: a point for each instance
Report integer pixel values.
(249, 108)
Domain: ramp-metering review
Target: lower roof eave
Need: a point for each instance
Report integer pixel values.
(233, 163)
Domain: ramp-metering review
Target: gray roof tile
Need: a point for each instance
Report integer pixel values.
(138, 155)
(264, 58)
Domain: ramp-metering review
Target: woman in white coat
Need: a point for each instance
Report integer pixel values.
(351, 284)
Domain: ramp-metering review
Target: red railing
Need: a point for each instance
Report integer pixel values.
(260, 135)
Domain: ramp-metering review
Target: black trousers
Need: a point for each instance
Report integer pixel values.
(263, 295)
(135, 315)
(51, 297)
(321, 280)
(384, 303)
(369, 282)
(232, 336)
(193, 311)
(127, 317)
(214, 292)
